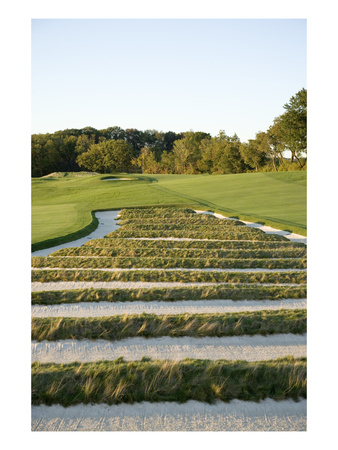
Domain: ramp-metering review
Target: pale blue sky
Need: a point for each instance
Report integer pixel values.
(183, 74)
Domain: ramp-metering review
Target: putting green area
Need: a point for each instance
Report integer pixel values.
(62, 206)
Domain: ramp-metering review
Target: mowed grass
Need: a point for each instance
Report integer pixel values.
(273, 198)
(63, 206)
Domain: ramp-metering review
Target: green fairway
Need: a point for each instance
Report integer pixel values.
(63, 206)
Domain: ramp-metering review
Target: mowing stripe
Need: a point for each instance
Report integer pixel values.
(237, 415)
(106, 309)
(71, 285)
(249, 348)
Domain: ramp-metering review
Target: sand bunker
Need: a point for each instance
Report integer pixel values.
(237, 415)
(117, 179)
(249, 348)
(107, 309)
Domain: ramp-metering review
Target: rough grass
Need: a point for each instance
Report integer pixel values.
(241, 234)
(151, 325)
(225, 292)
(159, 381)
(45, 276)
(144, 252)
(115, 243)
(165, 263)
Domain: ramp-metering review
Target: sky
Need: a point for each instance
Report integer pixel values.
(165, 74)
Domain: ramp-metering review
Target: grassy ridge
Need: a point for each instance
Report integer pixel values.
(168, 263)
(226, 292)
(150, 325)
(159, 381)
(161, 244)
(45, 276)
(293, 252)
(241, 234)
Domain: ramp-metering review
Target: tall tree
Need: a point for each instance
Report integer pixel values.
(187, 151)
(256, 151)
(275, 140)
(107, 156)
(293, 125)
(221, 154)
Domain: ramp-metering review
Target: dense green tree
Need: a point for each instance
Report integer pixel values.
(255, 152)
(107, 157)
(187, 151)
(221, 154)
(293, 124)
(146, 161)
(115, 133)
(276, 143)
(41, 162)
(83, 143)
(167, 163)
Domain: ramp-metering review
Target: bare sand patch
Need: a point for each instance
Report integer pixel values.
(36, 286)
(117, 179)
(249, 348)
(107, 309)
(237, 415)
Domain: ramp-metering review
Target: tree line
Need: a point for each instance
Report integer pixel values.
(117, 150)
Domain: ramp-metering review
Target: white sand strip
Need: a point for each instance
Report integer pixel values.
(107, 309)
(36, 286)
(107, 224)
(117, 179)
(237, 415)
(193, 240)
(114, 269)
(249, 348)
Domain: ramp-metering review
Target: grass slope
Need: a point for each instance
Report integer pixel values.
(150, 325)
(63, 206)
(160, 381)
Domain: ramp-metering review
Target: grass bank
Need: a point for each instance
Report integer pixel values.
(167, 263)
(122, 244)
(222, 292)
(161, 381)
(150, 325)
(288, 252)
(45, 276)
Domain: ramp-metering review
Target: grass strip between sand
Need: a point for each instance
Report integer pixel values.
(45, 276)
(115, 243)
(149, 325)
(161, 380)
(225, 292)
(165, 263)
(147, 252)
(241, 234)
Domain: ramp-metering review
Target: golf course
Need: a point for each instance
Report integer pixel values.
(63, 204)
